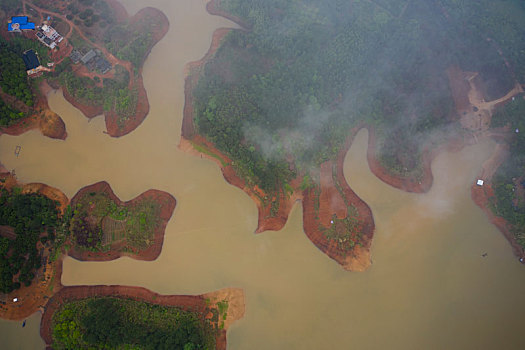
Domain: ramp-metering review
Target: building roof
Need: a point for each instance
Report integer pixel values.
(75, 56)
(19, 19)
(27, 26)
(30, 60)
(103, 65)
(88, 56)
(19, 23)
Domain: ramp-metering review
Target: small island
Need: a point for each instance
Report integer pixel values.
(92, 50)
(105, 228)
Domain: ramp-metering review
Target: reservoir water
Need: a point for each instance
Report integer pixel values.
(429, 286)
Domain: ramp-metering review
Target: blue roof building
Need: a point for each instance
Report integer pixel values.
(19, 23)
(30, 59)
(19, 19)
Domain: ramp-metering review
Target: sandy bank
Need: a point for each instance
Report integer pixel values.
(195, 303)
(167, 205)
(41, 117)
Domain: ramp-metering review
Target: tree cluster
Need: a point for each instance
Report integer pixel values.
(307, 72)
(13, 76)
(121, 323)
(8, 115)
(34, 218)
(113, 96)
(509, 180)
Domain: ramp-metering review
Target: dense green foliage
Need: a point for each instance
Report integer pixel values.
(115, 323)
(20, 44)
(13, 76)
(307, 71)
(128, 45)
(90, 12)
(97, 222)
(113, 96)
(10, 5)
(29, 215)
(502, 22)
(127, 41)
(509, 180)
(8, 115)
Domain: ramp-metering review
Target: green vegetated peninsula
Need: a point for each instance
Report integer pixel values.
(21, 105)
(281, 99)
(115, 322)
(119, 317)
(89, 48)
(509, 181)
(28, 221)
(505, 194)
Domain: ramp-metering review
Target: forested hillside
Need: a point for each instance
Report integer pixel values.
(117, 323)
(509, 180)
(13, 76)
(280, 98)
(25, 220)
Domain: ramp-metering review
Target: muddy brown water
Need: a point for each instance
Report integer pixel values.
(428, 287)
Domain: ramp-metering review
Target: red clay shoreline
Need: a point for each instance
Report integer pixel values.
(194, 303)
(167, 203)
